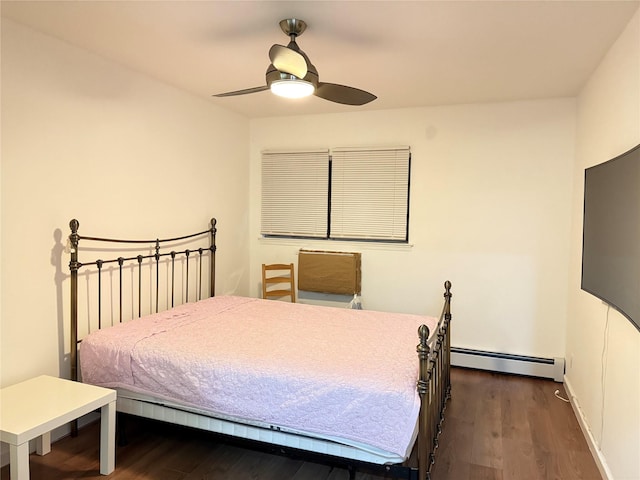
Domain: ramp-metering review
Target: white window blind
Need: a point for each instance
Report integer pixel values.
(370, 193)
(294, 193)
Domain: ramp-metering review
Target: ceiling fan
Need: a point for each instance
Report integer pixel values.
(291, 74)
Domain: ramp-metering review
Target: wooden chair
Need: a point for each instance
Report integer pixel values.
(278, 281)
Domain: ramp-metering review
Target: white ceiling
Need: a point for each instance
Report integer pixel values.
(408, 53)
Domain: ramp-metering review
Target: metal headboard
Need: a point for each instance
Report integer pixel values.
(159, 247)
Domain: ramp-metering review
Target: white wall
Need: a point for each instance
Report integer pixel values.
(603, 347)
(85, 138)
(490, 211)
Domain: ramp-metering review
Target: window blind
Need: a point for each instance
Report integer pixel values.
(294, 193)
(370, 193)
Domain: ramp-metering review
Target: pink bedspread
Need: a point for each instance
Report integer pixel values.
(332, 371)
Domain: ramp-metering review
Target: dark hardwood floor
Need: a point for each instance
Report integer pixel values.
(497, 427)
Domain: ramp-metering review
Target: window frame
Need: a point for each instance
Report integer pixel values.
(394, 181)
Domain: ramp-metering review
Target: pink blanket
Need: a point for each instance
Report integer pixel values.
(330, 371)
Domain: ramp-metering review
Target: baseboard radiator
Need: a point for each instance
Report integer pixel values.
(506, 363)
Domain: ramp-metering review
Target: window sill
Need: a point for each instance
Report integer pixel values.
(326, 244)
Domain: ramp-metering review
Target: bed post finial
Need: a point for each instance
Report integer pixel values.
(423, 355)
(73, 240)
(447, 299)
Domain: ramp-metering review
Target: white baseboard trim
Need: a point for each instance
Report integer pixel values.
(506, 363)
(601, 462)
(56, 434)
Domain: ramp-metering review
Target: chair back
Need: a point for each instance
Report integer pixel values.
(278, 281)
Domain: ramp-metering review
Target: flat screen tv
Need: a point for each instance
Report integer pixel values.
(611, 234)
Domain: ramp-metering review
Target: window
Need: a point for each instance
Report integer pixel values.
(294, 193)
(346, 194)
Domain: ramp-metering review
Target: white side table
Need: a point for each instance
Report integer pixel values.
(33, 408)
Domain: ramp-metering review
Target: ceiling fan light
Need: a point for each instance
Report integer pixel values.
(293, 88)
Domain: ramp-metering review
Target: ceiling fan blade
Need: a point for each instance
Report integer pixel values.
(288, 61)
(242, 92)
(343, 94)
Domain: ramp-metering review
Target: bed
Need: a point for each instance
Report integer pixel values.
(267, 372)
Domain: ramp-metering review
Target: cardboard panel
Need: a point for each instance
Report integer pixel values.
(329, 272)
